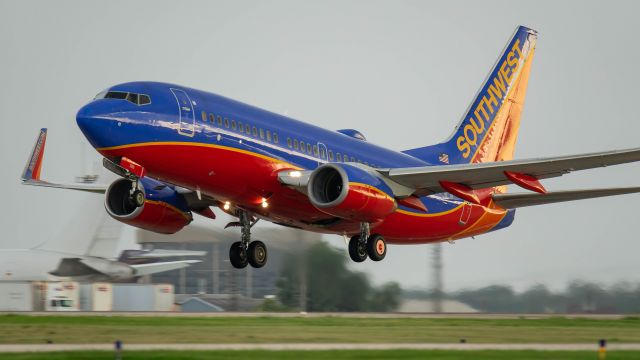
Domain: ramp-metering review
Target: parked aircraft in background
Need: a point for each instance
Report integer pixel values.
(181, 150)
(91, 253)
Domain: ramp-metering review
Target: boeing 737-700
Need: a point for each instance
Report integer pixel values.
(181, 151)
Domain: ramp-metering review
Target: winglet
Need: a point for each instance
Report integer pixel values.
(34, 163)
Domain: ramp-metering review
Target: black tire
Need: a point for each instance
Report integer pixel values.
(357, 249)
(257, 254)
(238, 256)
(138, 198)
(376, 247)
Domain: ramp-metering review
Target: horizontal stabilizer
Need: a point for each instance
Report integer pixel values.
(147, 269)
(512, 201)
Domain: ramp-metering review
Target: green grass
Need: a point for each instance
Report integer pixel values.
(22, 329)
(328, 355)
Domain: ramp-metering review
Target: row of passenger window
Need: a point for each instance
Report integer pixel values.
(298, 145)
(320, 152)
(241, 128)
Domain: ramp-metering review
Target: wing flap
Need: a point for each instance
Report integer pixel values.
(427, 179)
(512, 201)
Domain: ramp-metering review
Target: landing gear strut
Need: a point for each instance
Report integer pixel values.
(366, 245)
(245, 251)
(136, 197)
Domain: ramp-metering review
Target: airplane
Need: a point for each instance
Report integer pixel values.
(89, 250)
(181, 151)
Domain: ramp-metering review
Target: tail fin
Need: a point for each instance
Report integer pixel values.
(489, 129)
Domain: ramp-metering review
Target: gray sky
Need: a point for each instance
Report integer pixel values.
(402, 72)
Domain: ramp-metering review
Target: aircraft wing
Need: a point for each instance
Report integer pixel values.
(428, 179)
(31, 173)
(512, 201)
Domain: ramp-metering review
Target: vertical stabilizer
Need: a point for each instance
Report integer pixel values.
(489, 129)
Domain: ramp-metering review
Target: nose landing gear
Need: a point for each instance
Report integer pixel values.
(245, 251)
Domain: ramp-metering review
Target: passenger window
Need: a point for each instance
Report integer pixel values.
(255, 131)
(212, 118)
(275, 138)
(226, 123)
(233, 124)
(240, 127)
(268, 135)
(315, 150)
(302, 148)
(219, 121)
(204, 116)
(261, 133)
(309, 148)
(338, 156)
(247, 129)
(295, 144)
(331, 155)
(323, 154)
(289, 142)
(353, 159)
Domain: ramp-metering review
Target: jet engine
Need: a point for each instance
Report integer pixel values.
(350, 192)
(155, 206)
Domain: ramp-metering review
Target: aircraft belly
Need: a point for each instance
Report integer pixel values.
(246, 178)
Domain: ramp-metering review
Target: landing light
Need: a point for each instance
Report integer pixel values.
(227, 205)
(265, 204)
(295, 174)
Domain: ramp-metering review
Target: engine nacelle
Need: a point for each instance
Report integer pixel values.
(349, 192)
(164, 210)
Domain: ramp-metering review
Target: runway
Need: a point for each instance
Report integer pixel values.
(13, 348)
(478, 316)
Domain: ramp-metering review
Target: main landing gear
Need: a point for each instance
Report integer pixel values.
(364, 244)
(245, 251)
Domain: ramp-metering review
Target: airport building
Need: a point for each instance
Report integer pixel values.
(214, 280)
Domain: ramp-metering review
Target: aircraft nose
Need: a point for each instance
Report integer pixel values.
(84, 117)
(94, 124)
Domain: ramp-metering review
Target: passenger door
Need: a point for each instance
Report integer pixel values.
(187, 114)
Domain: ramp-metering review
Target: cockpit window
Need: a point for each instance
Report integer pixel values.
(138, 99)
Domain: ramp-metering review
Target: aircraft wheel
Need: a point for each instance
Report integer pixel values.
(257, 254)
(357, 249)
(238, 255)
(138, 198)
(376, 247)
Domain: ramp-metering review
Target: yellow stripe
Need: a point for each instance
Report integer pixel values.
(186, 143)
(405, 212)
(169, 206)
(373, 188)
